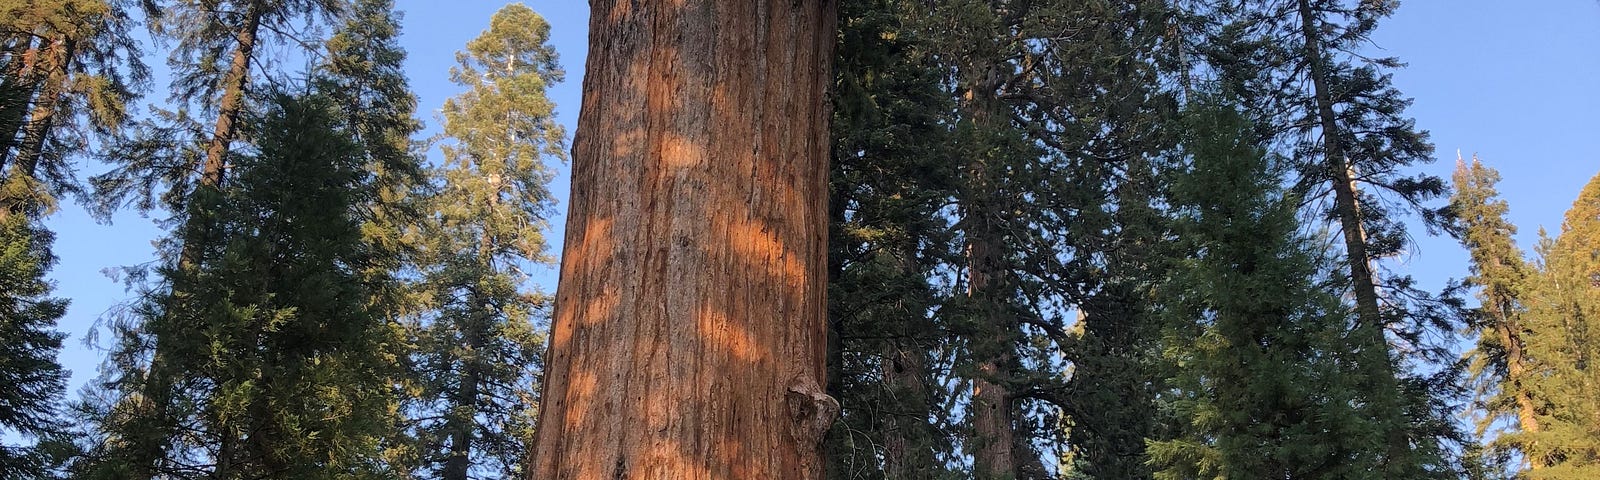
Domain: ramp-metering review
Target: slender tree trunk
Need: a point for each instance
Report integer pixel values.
(906, 433)
(1370, 325)
(835, 467)
(906, 454)
(232, 103)
(16, 94)
(1346, 205)
(461, 427)
(37, 130)
(993, 434)
(689, 328)
(993, 431)
(1516, 368)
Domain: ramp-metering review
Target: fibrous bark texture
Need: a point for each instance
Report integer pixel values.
(689, 332)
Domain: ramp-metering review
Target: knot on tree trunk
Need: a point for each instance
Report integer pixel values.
(811, 410)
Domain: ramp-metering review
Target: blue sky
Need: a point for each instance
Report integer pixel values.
(1514, 82)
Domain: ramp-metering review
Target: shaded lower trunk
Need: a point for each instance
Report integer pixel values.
(462, 422)
(907, 451)
(992, 421)
(461, 428)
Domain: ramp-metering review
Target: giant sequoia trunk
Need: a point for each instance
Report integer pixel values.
(689, 329)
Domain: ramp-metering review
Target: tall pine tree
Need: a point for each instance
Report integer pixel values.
(1564, 343)
(1300, 67)
(1258, 347)
(1500, 365)
(177, 160)
(31, 381)
(890, 180)
(67, 71)
(284, 369)
(480, 337)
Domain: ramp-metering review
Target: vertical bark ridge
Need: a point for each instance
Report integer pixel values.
(688, 336)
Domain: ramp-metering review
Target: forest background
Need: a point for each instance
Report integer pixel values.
(1507, 83)
(1513, 82)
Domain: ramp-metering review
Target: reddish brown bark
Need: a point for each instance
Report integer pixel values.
(42, 120)
(993, 439)
(17, 85)
(689, 328)
(993, 435)
(232, 98)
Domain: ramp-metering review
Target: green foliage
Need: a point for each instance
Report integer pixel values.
(1263, 382)
(1499, 365)
(31, 382)
(363, 76)
(1564, 342)
(478, 339)
(984, 162)
(889, 179)
(272, 358)
(1298, 67)
(158, 161)
(70, 73)
(336, 309)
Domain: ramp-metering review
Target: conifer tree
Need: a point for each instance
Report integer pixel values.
(1054, 132)
(284, 371)
(67, 71)
(183, 151)
(983, 311)
(480, 341)
(1500, 364)
(218, 54)
(71, 70)
(1257, 344)
(1563, 342)
(887, 240)
(363, 75)
(1300, 67)
(31, 381)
